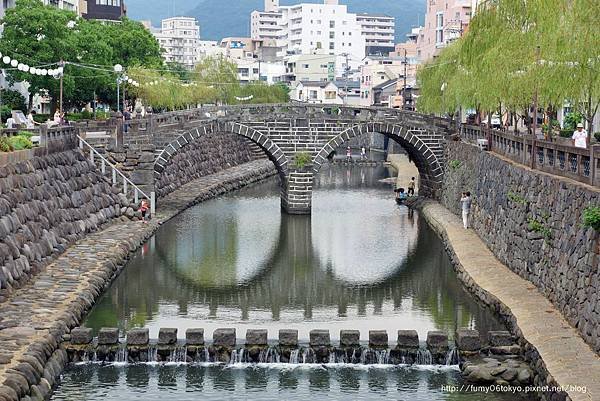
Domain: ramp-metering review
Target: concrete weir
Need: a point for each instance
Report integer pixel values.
(225, 347)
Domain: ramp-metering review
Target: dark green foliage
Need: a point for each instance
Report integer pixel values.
(591, 217)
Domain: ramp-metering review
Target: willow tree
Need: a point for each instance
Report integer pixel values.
(516, 51)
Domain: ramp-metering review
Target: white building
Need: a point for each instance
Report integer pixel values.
(179, 38)
(209, 48)
(378, 70)
(252, 70)
(316, 92)
(379, 32)
(308, 28)
(309, 67)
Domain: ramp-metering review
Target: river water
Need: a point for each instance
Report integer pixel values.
(359, 262)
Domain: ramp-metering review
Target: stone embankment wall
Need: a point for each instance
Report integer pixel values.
(533, 223)
(205, 156)
(47, 203)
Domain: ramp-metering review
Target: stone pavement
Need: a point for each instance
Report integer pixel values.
(566, 357)
(37, 317)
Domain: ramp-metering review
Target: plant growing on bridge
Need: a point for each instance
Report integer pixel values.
(454, 164)
(302, 159)
(591, 217)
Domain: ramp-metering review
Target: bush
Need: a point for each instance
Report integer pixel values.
(566, 133)
(5, 145)
(454, 164)
(591, 217)
(41, 118)
(5, 112)
(26, 134)
(302, 159)
(571, 121)
(20, 142)
(597, 136)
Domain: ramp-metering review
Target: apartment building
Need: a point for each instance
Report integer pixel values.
(378, 70)
(379, 32)
(252, 70)
(407, 83)
(445, 21)
(321, 28)
(179, 38)
(309, 67)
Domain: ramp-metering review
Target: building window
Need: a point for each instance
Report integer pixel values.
(439, 28)
(313, 95)
(331, 46)
(331, 35)
(332, 24)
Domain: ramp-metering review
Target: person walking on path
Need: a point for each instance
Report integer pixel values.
(411, 187)
(144, 207)
(363, 153)
(580, 137)
(466, 201)
(348, 154)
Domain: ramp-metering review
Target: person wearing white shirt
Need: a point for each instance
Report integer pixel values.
(580, 137)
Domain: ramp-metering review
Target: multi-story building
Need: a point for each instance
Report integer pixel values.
(377, 70)
(309, 67)
(179, 38)
(445, 21)
(209, 48)
(316, 92)
(323, 28)
(104, 10)
(71, 5)
(379, 32)
(406, 84)
(252, 70)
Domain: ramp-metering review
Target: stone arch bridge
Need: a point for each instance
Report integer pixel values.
(283, 131)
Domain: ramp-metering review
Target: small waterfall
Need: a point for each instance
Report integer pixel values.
(237, 356)
(363, 356)
(294, 354)
(424, 357)
(353, 358)
(270, 355)
(178, 355)
(121, 355)
(308, 356)
(331, 357)
(206, 355)
(152, 354)
(383, 357)
(453, 357)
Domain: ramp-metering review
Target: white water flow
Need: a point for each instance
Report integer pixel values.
(424, 357)
(178, 355)
(294, 354)
(121, 356)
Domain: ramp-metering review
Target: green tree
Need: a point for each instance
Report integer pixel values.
(38, 35)
(220, 74)
(13, 100)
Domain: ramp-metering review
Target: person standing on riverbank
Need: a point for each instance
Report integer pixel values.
(466, 202)
(411, 187)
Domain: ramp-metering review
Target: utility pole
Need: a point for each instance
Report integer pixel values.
(404, 87)
(62, 65)
(346, 71)
(535, 111)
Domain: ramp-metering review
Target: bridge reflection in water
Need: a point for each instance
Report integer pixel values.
(360, 262)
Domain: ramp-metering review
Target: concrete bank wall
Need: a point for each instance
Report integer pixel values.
(47, 203)
(207, 155)
(533, 223)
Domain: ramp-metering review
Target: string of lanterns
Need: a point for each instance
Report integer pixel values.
(14, 63)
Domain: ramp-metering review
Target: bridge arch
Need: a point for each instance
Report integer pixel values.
(270, 148)
(424, 147)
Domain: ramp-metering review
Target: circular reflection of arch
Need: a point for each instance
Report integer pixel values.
(350, 247)
(424, 155)
(242, 239)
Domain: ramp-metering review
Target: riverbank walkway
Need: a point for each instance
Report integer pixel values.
(35, 317)
(568, 359)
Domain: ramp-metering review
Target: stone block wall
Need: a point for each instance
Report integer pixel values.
(46, 203)
(207, 155)
(533, 222)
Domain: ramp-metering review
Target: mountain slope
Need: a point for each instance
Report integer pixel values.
(221, 18)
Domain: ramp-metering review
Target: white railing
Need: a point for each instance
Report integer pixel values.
(118, 176)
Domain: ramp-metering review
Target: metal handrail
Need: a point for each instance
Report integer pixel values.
(115, 171)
